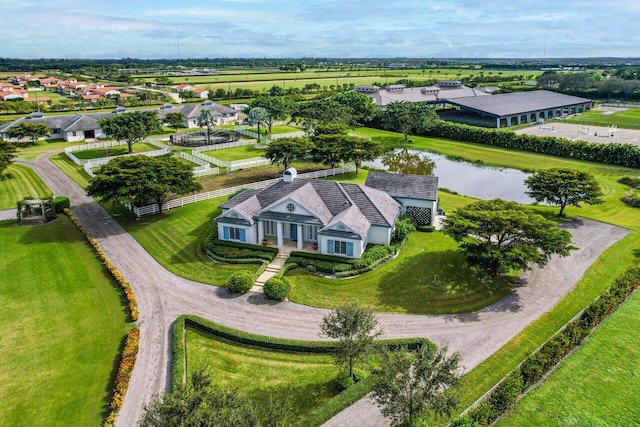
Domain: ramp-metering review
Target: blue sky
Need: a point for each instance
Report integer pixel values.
(319, 28)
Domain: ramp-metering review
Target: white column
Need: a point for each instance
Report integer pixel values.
(279, 233)
(498, 123)
(299, 237)
(260, 231)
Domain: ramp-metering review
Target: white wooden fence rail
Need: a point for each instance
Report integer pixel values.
(194, 198)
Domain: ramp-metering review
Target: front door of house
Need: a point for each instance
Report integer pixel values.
(293, 231)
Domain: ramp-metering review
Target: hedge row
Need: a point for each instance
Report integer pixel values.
(632, 198)
(615, 154)
(126, 288)
(125, 369)
(273, 343)
(543, 360)
(372, 257)
(235, 250)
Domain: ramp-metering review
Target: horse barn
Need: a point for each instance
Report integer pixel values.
(504, 110)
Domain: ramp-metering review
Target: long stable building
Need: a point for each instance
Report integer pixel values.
(522, 107)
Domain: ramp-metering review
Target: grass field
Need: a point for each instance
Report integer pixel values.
(175, 240)
(20, 182)
(236, 153)
(305, 380)
(625, 119)
(62, 323)
(118, 150)
(73, 171)
(439, 282)
(275, 130)
(597, 385)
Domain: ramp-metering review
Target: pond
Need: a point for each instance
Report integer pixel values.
(466, 178)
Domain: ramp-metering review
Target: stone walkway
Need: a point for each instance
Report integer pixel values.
(272, 269)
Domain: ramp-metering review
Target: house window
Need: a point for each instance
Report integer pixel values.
(339, 247)
(73, 133)
(234, 233)
(291, 207)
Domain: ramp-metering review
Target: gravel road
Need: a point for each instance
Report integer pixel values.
(162, 296)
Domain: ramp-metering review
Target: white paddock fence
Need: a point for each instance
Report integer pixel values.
(199, 197)
(203, 168)
(230, 165)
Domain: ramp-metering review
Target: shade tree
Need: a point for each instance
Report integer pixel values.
(30, 131)
(500, 236)
(139, 179)
(408, 117)
(258, 116)
(175, 119)
(7, 154)
(564, 187)
(409, 384)
(131, 127)
(277, 107)
(286, 150)
(355, 329)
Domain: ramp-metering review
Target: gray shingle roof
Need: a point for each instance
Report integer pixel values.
(507, 104)
(398, 185)
(331, 202)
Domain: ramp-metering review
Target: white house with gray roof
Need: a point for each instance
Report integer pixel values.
(191, 112)
(70, 127)
(342, 219)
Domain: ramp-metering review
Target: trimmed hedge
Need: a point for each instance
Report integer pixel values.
(615, 154)
(61, 203)
(261, 341)
(631, 181)
(632, 198)
(543, 360)
(225, 251)
(240, 282)
(373, 256)
(125, 369)
(277, 288)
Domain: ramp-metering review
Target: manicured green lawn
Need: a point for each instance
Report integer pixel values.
(50, 145)
(20, 182)
(236, 153)
(597, 385)
(275, 129)
(73, 171)
(625, 119)
(306, 380)
(61, 321)
(439, 282)
(118, 150)
(175, 240)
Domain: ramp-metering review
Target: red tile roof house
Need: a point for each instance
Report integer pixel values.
(341, 219)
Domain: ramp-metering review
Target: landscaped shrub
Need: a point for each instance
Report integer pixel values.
(504, 397)
(277, 288)
(631, 181)
(632, 198)
(235, 250)
(426, 228)
(125, 369)
(404, 227)
(61, 203)
(240, 282)
(344, 382)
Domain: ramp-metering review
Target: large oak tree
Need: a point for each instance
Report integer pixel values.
(139, 179)
(286, 150)
(500, 236)
(30, 131)
(408, 117)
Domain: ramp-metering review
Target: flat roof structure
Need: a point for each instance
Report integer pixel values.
(523, 106)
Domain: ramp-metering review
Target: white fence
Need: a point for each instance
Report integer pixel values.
(94, 163)
(242, 143)
(231, 165)
(199, 197)
(299, 133)
(203, 168)
(244, 131)
(164, 149)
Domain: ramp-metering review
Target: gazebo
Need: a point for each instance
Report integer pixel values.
(35, 211)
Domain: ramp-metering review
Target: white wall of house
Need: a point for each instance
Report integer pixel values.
(379, 235)
(432, 204)
(72, 136)
(324, 241)
(237, 233)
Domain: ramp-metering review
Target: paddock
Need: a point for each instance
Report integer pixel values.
(574, 132)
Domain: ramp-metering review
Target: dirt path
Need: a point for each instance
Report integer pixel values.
(162, 297)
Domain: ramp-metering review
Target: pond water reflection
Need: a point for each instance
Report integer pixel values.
(469, 179)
